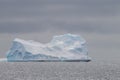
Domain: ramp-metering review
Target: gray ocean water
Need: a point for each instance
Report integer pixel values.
(59, 71)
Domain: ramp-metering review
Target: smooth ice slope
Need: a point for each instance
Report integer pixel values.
(62, 47)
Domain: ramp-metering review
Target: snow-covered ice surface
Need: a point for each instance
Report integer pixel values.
(3, 59)
(59, 71)
(62, 47)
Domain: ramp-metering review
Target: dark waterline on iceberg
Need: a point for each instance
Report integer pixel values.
(49, 60)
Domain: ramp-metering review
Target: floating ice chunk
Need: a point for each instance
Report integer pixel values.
(67, 47)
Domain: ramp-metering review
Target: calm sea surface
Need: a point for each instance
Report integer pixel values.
(59, 71)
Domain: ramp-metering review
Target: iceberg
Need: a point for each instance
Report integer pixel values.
(67, 47)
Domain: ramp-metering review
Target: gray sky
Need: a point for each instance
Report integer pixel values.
(98, 21)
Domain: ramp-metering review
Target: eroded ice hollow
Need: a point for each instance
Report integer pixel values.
(67, 47)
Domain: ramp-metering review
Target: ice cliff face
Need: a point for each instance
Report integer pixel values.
(63, 47)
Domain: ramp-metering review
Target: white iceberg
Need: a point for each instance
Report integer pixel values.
(67, 47)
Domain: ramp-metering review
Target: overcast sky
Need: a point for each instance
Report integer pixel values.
(98, 21)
